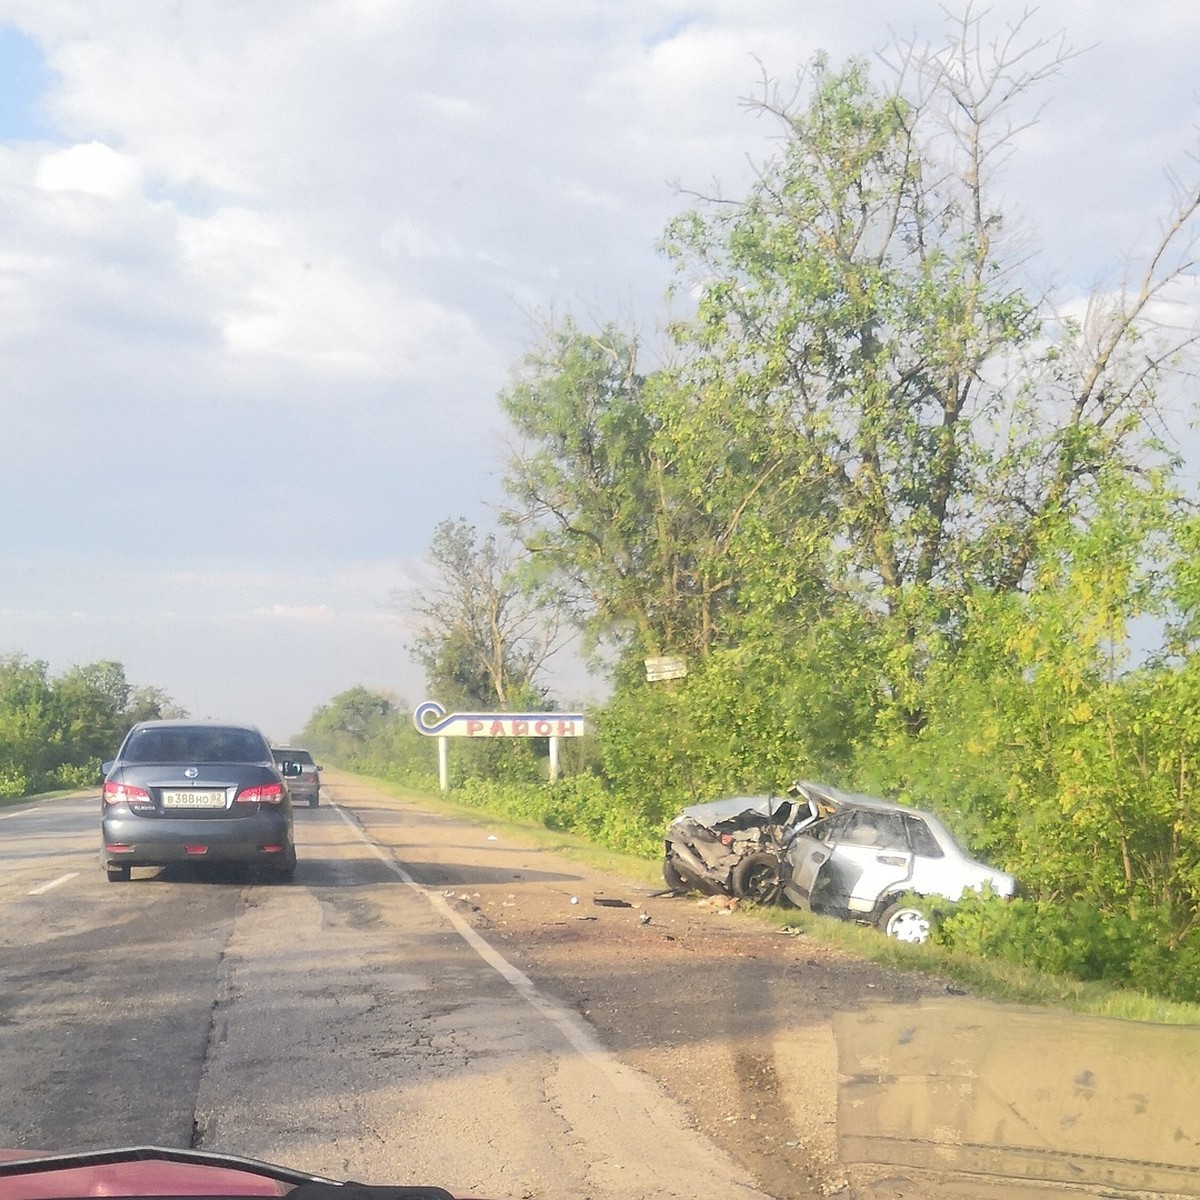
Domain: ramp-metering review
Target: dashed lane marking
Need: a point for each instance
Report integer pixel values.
(45, 887)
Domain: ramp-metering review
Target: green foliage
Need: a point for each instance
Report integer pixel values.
(78, 777)
(13, 783)
(580, 805)
(26, 726)
(371, 732)
(55, 732)
(483, 640)
(745, 720)
(898, 517)
(1079, 939)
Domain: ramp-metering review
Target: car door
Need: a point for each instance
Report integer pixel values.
(808, 853)
(842, 866)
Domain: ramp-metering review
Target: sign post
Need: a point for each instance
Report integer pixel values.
(432, 720)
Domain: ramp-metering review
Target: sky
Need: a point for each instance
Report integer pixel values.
(266, 266)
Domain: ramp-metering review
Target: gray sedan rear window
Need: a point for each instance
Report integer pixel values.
(210, 745)
(296, 756)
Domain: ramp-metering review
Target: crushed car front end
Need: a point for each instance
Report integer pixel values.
(735, 846)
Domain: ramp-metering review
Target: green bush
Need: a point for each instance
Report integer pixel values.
(1077, 938)
(13, 783)
(74, 778)
(579, 805)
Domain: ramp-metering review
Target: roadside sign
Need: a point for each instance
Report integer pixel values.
(434, 721)
(664, 666)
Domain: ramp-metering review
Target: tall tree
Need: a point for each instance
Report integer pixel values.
(483, 639)
(643, 501)
(871, 415)
(55, 732)
(867, 290)
(26, 758)
(347, 724)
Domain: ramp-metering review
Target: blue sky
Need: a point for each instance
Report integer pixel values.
(265, 268)
(26, 77)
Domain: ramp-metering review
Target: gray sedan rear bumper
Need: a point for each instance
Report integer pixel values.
(156, 842)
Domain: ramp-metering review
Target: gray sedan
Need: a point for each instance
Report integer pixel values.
(201, 792)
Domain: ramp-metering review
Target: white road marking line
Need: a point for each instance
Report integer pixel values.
(577, 1032)
(28, 810)
(45, 887)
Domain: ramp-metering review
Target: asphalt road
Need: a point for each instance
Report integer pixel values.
(433, 1002)
(351, 1024)
(105, 993)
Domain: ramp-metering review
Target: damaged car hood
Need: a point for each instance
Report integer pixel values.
(803, 803)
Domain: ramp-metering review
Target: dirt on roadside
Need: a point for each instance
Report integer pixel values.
(710, 1003)
(731, 1015)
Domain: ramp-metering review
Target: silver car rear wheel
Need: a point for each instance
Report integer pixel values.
(905, 923)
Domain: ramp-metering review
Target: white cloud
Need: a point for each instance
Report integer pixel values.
(277, 294)
(92, 168)
(454, 107)
(295, 612)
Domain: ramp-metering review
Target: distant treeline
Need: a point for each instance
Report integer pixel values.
(56, 730)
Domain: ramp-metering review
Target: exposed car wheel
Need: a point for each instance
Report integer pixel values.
(314, 802)
(758, 877)
(674, 880)
(117, 874)
(905, 923)
(286, 871)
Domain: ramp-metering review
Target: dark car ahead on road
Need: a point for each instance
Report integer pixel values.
(304, 785)
(191, 791)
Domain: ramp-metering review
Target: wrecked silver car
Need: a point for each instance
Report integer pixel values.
(838, 853)
(874, 862)
(735, 847)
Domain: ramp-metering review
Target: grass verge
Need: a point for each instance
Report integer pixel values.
(67, 793)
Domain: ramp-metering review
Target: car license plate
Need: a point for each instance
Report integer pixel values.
(193, 798)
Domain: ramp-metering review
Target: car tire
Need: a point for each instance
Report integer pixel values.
(117, 874)
(759, 877)
(675, 881)
(905, 922)
(314, 801)
(286, 871)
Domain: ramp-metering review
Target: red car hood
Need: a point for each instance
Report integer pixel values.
(156, 1171)
(145, 1177)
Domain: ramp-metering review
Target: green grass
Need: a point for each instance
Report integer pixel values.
(998, 981)
(11, 801)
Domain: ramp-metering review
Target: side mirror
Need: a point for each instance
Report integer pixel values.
(105, 768)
